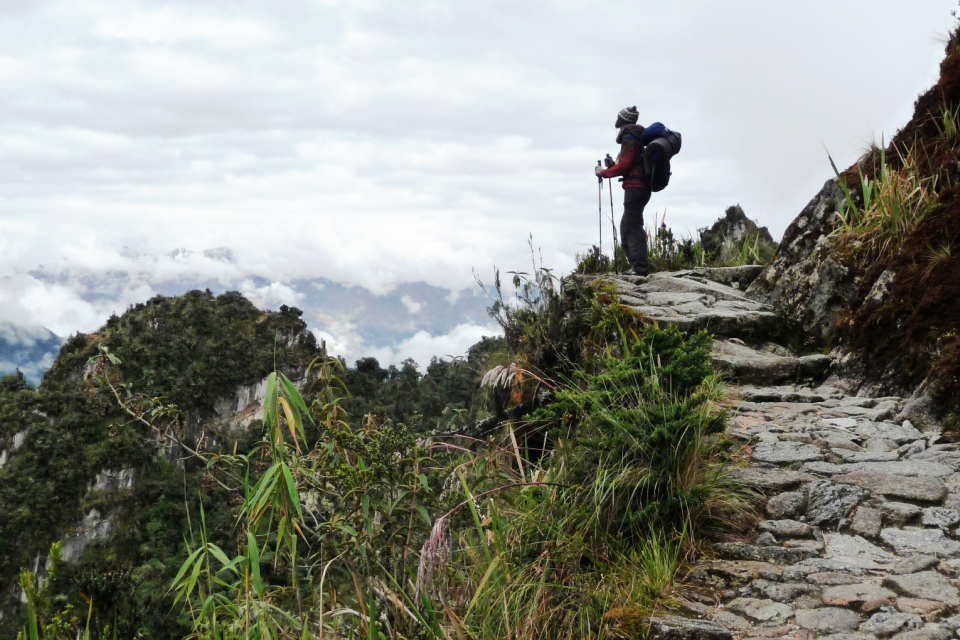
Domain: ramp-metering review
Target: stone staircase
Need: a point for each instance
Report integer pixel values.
(862, 536)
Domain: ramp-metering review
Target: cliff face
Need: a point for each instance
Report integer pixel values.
(872, 265)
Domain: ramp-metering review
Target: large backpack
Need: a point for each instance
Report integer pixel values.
(656, 159)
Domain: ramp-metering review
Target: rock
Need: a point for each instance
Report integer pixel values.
(786, 453)
(779, 555)
(856, 594)
(719, 574)
(901, 434)
(827, 620)
(677, 628)
(692, 304)
(867, 456)
(930, 633)
(899, 513)
(822, 468)
(786, 505)
(919, 606)
(761, 610)
(919, 410)
(815, 367)
(884, 410)
(828, 502)
(928, 585)
(766, 539)
(786, 528)
(751, 366)
(867, 522)
(880, 444)
(803, 280)
(812, 566)
(920, 541)
(913, 564)
(924, 489)
(840, 423)
(913, 448)
(783, 591)
(888, 623)
(721, 240)
(729, 620)
(940, 517)
(856, 551)
(830, 579)
(907, 468)
(768, 479)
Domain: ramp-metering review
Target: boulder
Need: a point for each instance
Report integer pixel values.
(804, 280)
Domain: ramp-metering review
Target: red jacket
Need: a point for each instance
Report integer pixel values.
(629, 163)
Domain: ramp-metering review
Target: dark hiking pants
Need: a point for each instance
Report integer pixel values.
(632, 236)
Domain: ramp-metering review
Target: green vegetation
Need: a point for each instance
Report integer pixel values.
(359, 506)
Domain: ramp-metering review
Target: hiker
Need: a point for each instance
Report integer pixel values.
(632, 139)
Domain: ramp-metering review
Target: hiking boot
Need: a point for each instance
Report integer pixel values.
(639, 273)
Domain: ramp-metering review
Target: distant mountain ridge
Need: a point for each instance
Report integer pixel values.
(414, 319)
(30, 350)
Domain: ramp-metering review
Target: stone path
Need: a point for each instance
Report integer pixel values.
(861, 539)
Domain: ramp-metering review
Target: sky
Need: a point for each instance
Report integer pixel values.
(374, 143)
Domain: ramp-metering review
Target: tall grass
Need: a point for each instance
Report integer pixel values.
(590, 504)
(876, 219)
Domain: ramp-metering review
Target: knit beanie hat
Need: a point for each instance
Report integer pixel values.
(627, 115)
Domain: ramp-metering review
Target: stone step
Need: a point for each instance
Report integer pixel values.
(693, 303)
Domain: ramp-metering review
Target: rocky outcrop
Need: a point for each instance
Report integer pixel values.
(734, 234)
(805, 281)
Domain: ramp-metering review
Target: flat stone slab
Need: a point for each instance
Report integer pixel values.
(764, 553)
(761, 610)
(677, 628)
(693, 303)
(856, 551)
(926, 489)
(786, 453)
(769, 479)
(888, 623)
(915, 564)
(812, 566)
(751, 366)
(856, 594)
(928, 585)
(786, 528)
(827, 620)
(906, 468)
(920, 541)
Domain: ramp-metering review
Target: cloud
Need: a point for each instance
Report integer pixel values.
(342, 340)
(379, 143)
(271, 295)
(411, 306)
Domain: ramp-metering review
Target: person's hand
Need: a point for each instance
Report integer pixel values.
(608, 161)
(596, 170)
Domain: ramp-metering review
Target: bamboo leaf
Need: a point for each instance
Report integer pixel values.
(292, 489)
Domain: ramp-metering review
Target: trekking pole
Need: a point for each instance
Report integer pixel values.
(600, 208)
(613, 228)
